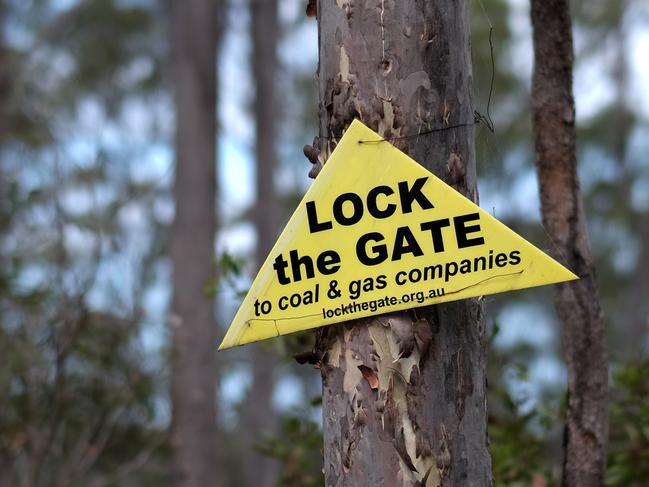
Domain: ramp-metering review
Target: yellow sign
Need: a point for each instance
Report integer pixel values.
(376, 232)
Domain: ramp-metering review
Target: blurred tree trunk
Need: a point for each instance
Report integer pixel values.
(259, 418)
(631, 335)
(195, 36)
(4, 78)
(635, 300)
(577, 302)
(404, 68)
(4, 96)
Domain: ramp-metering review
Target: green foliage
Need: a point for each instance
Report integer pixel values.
(518, 445)
(629, 430)
(520, 436)
(79, 400)
(114, 54)
(297, 446)
(229, 270)
(76, 400)
(526, 445)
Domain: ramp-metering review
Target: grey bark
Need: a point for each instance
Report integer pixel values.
(258, 413)
(577, 302)
(195, 34)
(404, 68)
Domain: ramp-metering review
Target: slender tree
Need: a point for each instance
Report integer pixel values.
(195, 36)
(258, 413)
(4, 77)
(577, 302)
(404, 68)
(4, 95)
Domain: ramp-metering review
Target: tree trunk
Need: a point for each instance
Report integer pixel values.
(5, 85)
(404, 68)
(258, 413)
(577, 302)
(195, 35)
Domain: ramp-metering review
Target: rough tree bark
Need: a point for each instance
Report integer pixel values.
(195, 34)
(404, 68)
(577, 302)
(258, 412)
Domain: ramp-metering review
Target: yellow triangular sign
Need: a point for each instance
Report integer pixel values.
(376, 232)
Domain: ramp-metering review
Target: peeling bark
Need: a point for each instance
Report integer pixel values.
(577, 302)
(403, 68)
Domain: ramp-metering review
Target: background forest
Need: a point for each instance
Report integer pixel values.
(87, 164)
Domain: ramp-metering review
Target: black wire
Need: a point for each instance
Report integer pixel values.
(423, 132)
(488, 121)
